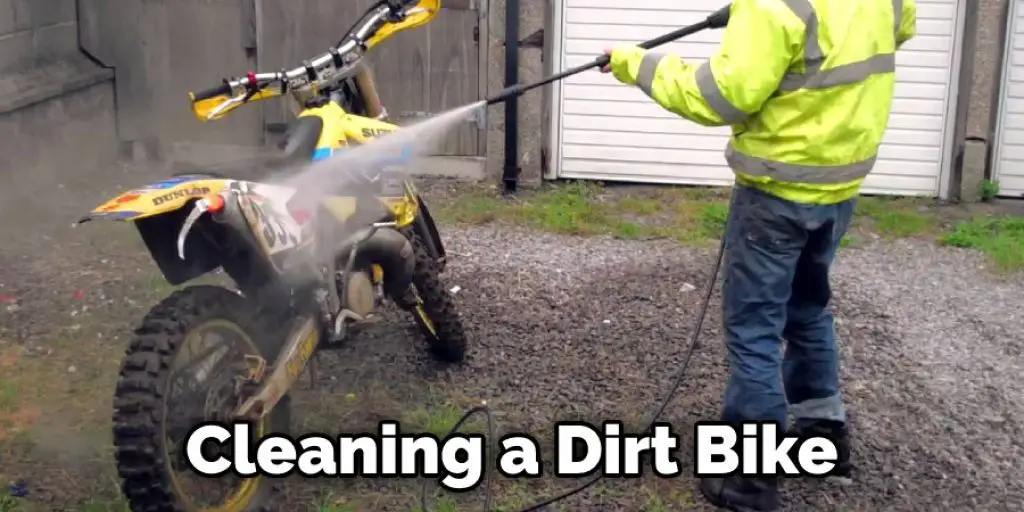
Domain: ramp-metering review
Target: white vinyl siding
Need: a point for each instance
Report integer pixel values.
(603, 130)
(1008, 154)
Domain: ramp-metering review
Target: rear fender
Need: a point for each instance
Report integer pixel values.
(158, 211)
(225, 241)
(158, 198)
(202, 254)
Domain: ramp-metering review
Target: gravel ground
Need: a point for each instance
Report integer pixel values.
(598, 327)
(570, 328)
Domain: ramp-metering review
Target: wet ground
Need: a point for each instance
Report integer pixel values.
(561, 329)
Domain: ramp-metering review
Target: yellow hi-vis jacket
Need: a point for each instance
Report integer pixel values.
(806, 85)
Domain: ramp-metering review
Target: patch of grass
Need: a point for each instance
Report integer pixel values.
(713, 218)
(439, 414)
(442, 503)
(8, 395)
(895, 217)
(689, 215)
(439, 420)
(8, 504)
(697, 216)
(1001, 238)
(988, 189)
(332, 503)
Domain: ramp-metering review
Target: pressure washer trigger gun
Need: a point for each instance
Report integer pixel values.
(214, 203)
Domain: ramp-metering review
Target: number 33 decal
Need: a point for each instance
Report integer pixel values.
(274, 230)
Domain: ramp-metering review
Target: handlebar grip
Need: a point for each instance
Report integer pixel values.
(220, 90)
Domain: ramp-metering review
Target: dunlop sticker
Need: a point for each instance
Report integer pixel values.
(180, 194)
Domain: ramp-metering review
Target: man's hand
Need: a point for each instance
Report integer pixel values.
(607, 67)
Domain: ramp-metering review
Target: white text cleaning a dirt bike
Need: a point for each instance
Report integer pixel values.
(459, 460)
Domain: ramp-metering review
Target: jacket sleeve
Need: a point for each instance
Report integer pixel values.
(757, 49)
(908, 23)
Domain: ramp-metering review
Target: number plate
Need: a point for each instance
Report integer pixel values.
(271, 222)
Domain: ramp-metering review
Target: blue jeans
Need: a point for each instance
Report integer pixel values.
(778, 255)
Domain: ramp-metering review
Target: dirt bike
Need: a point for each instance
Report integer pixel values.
(305, 271)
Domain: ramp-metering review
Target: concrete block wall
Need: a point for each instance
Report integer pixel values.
(36, 31)
(983, 58)
(56, 105)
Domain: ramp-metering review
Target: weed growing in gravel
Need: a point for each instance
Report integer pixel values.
(441, 503)
(440, 420)
(332, 503)
(1001, 238)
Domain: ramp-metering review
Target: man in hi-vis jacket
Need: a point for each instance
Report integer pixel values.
(806, 86)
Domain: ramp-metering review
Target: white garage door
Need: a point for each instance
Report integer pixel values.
(603, 130)
(1008, 165)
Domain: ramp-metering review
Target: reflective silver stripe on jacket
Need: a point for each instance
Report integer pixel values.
(705, 82)
(846, 74)
(796, 173)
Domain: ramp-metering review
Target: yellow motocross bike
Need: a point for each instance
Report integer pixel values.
(305, 271)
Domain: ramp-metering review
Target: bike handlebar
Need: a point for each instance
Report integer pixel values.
(337, 58)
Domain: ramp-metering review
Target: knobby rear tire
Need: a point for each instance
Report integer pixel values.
(142, 385)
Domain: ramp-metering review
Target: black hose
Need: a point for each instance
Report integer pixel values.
(677, 381)
(482, 408)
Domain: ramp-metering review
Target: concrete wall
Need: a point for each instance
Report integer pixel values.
(36, 31)
(979, 92)
(56, 105)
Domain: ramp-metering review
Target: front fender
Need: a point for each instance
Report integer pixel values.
(427, 230)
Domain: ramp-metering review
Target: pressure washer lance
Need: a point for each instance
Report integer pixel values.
(717, 19)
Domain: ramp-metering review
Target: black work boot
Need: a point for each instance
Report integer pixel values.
(839, 435)
(742, 493)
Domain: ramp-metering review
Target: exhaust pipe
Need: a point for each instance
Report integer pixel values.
(388, 248)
